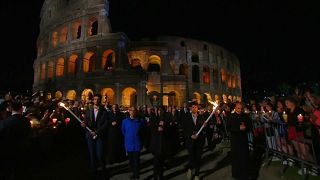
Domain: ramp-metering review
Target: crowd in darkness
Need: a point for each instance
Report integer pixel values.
(290, 125)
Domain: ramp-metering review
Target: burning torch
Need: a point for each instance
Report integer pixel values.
(77, 118)
(214, 108)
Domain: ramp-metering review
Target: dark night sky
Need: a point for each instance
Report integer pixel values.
(266, 35)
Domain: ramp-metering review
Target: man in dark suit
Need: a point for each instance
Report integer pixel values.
(14, 131)
(96, 120)
(194, 143)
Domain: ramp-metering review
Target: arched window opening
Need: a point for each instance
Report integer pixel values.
(154, 64)
(107, 95)
(195, 58)
(93, 27)
(50, 70)
(72, 65)
(60, 67)
(64, 35)
(195, 74)
(76, 30)
(108, 60)
(129, 97)
(183, 69)
(54, 39)
(206, 75)
(88, 62)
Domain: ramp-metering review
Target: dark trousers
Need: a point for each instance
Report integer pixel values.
(134, 161)
(195, 152)
(96, 153)
(158, 163)
(209, 135)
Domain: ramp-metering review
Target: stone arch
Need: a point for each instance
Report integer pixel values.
(234, 80)
(136, 63)
(223, 75)
(154, 97)
(88, 62)
(229, 77)
(55, 39)
(196, 97)
(76, 30)
(183, 69)
(50, 70)
(129, 97)
(206, 75)
(154, 63)
(87, 94)
(64, 35)
(195, 74)
(107, 95)
(108, 60)
(93, 26)
(72, 64)
(174, 99)
(60, 67)
(71, 95)
(43, 71)
(195, 57)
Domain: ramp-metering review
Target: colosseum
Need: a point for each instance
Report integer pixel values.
(79, 55)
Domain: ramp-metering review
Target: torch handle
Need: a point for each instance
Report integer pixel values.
(77, 118)
(213, 111)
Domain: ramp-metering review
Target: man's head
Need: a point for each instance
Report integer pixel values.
(16, 106)
(194, 107)
(97, 99)
(133, 112)
(238, 108)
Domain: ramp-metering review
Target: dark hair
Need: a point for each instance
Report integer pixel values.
(98, 95)
(270, 104)
(16, 105)
(292, 99)
(194, 103)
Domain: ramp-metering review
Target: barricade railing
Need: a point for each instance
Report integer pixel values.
(278, 146)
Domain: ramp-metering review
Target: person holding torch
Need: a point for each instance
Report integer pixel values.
(96, 120)
(194, 141)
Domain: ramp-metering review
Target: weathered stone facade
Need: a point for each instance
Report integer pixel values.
(78, 55)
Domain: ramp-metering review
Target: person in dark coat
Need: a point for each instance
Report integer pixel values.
(239, 125)
(96, 120)
(194, 143)
(173, 118)
(115, 142)
(159, 142)
(14, 133)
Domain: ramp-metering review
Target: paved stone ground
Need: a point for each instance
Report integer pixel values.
(67, 159)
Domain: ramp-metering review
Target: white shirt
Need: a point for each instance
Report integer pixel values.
(194, 117)
(95, 111)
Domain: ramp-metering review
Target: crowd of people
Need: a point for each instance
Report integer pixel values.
(115, 134)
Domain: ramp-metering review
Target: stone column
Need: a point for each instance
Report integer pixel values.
(118, 94)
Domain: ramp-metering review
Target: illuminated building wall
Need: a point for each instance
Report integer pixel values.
(79, 55)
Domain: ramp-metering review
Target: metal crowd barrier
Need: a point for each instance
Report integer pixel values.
(277, 145)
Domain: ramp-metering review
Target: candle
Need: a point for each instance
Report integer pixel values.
(285, 117)
(67, 120)
(54, 120)
(300, 118)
